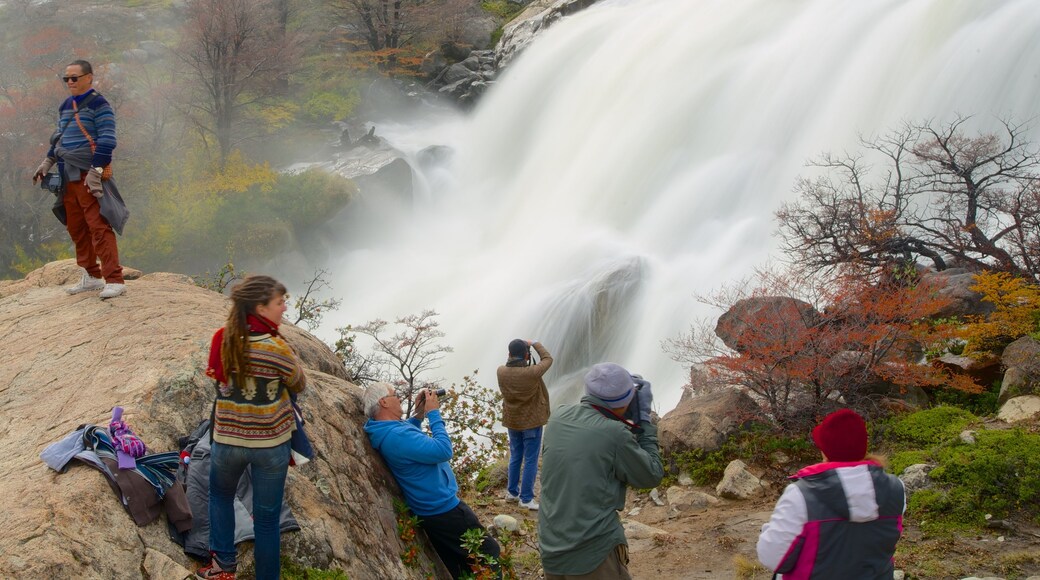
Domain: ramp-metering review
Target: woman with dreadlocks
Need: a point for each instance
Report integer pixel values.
(255, 372)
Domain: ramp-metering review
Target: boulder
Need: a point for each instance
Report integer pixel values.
(637, 531)
(1024, 408)
(739, 483)
(77, 357)
(984, 369)
(704, 422)
(685, 499)
(1022, 361)
(955, 284)
(771, 317)
(916, 477)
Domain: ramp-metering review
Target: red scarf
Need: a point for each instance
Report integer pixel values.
(256, 323)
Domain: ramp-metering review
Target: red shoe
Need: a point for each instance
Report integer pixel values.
(213, 571)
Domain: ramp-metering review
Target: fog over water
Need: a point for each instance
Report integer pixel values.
(635, 153)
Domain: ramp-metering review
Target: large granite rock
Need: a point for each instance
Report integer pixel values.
(1024, 408)
(704, 422)
(772, 317)
(955, 284)
(1022, 361)
(69, 360)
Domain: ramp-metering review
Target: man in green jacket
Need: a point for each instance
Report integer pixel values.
(591, 454)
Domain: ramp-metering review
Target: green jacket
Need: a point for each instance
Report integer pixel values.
(587, 462)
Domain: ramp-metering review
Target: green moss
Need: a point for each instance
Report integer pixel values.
(927, 428)
(984, 403)
(294, 571)
(503, 9)
(901, 460)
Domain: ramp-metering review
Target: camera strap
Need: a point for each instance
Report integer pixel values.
(632, 426)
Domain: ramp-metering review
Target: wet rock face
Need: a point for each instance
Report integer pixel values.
(72, 358)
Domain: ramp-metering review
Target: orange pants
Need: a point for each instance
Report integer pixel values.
(92, 235)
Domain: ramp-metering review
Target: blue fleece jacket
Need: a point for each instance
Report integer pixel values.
(419, 462)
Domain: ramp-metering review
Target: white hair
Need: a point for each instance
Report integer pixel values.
(373, 393)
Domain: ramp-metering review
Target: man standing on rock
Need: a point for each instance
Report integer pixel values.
(525, 411)
(420, 466)
(592, 453)
(82, 147)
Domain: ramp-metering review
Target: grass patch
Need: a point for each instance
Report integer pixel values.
(925, 429)
(294, 571)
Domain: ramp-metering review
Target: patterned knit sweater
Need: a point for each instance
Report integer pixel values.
(257, 414)
(98, 119)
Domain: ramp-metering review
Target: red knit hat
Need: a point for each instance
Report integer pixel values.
(842, 436)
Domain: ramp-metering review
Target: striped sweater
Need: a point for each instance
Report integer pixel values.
(98, 119)
(258, 414)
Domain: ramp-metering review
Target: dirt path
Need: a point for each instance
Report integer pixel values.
(719, 543)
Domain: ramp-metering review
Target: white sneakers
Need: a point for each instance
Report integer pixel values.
(86, 284)
(89, 284)
(112, 290)
(531, 505)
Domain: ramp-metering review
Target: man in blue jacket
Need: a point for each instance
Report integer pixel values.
(419, 463)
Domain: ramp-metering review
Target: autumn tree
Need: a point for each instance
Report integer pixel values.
(1016, 312)
(936, 195)
(801, 343)
(236, 50)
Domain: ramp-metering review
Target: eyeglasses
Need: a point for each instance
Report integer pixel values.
(74, 78)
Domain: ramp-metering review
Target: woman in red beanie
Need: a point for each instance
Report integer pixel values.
(840, 518)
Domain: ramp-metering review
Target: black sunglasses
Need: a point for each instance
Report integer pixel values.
(74, 78)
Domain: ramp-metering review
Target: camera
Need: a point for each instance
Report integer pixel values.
(52, 183)
(440, 392)
(632, 413)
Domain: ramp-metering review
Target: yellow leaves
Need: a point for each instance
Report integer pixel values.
(237, 176)
(278, 115)
(1017, 309)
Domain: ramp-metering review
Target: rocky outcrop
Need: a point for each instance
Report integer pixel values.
(706, 421)
(536, 18)
(69, 360)
(769, 316)
(955, 284)
(464, 82)
(1022, 361)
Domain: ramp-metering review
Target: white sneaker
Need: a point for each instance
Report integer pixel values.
(510, 497)
(531, 505)
(86, 284)
(113, 290)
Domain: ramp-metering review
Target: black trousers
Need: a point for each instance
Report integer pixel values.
(445, 532)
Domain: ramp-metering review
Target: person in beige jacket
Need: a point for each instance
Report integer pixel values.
(525, 411)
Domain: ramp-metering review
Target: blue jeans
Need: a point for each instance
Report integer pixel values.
(524, 446)
(269, 468)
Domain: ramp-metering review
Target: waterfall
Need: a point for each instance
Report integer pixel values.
(633, 157)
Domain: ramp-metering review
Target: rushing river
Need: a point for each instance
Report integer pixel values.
(634, 155)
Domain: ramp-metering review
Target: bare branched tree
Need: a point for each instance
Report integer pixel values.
(942, 197)
(310, 310)
(413, 350)
(236, 50)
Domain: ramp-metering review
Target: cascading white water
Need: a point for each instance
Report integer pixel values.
(633, 157)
